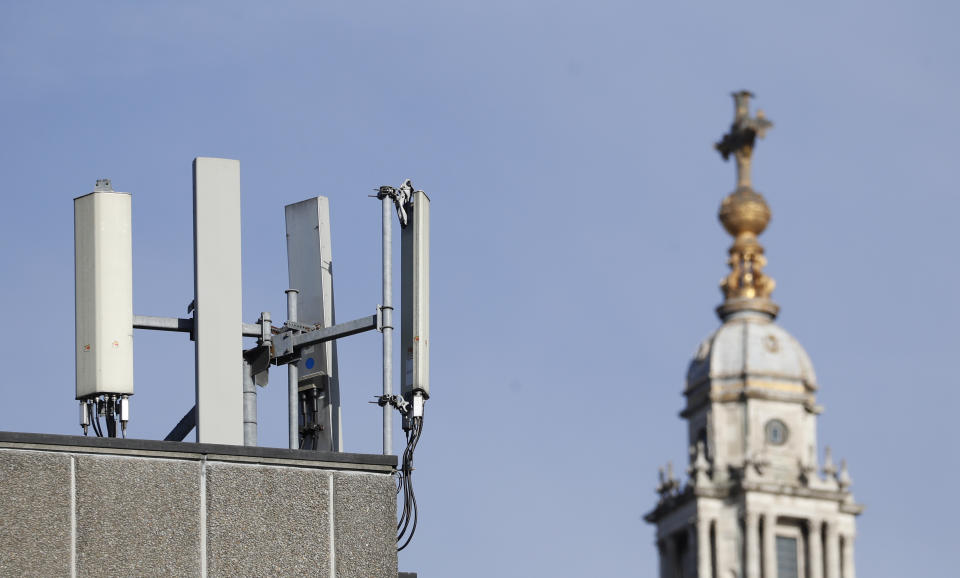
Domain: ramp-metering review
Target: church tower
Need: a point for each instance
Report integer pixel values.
(755, 503)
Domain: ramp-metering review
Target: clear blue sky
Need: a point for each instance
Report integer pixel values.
(567, 150)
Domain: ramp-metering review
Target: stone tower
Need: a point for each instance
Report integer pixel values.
(755, 503)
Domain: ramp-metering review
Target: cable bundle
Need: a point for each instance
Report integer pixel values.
(110, 411)
(94, 419)
(408, 513)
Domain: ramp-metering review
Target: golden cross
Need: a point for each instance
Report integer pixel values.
(743, 133)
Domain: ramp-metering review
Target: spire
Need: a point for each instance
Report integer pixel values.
(829, 469)
(843, 477)
(745, 214)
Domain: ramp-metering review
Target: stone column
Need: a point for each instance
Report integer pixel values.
(770, 546)
(814, 543)
(848, 567)
(689, 563)
(704, 555)
(664, 563)
(753, 550)
(833, 551)
(671, 557)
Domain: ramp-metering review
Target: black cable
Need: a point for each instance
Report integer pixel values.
(409, 513)
(97, 415)
(95, 419)
(410, 502)
(413, 529)
(112, 417)
(405, 471)
(401, 521)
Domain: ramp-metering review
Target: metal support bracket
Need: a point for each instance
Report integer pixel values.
(183, 427)
(251, 329)
(183, 325)
(395, 401)
(297, 326)
(380, 318)
(288, 342)
(259, 329)
(259, 360)
(400, 197)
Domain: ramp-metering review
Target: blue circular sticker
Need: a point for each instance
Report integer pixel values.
(309, 363)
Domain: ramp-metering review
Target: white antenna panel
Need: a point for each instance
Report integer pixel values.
(415, 296)
(218, 316)
(309, 263)
(104, 293)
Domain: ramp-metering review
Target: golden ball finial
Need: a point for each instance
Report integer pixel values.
(744, 211)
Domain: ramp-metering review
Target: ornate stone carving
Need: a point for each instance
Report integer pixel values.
(699, 470)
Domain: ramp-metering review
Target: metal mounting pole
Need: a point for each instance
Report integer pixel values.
(249, 406)
(387, 316)
(293, 378)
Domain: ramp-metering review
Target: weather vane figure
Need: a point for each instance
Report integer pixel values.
(743, 133)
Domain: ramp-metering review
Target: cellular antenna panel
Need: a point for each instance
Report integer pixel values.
(217, 294)
(104, 293)
(415, 296)
(309, 263)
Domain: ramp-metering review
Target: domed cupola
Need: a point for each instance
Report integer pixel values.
(753, 356)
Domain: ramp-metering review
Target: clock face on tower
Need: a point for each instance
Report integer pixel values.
(776, 432)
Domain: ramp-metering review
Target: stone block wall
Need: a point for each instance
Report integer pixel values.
(77, 506)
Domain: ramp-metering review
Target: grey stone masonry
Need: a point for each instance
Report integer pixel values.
(79, 506)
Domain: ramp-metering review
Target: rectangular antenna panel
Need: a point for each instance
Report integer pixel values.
(309, 263)
(415, 296)
(217, 294)
(104, 293)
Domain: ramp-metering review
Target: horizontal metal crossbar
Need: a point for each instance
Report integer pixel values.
(335, 331)
(184, 325)
(163, 323)
(252, 330)
(287, 343)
